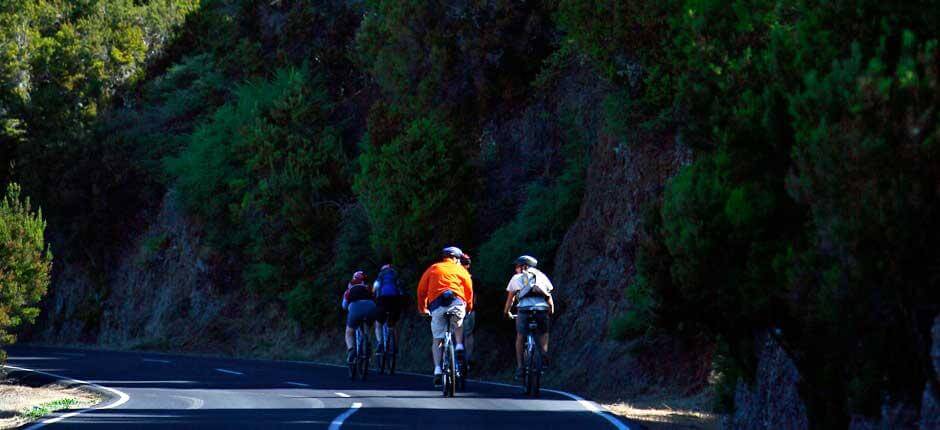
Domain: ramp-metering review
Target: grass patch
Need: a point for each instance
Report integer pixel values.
(39, 411)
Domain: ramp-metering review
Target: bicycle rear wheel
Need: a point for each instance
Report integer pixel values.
(364, 358)
(445, 374)
(535, 380)
(391, 354)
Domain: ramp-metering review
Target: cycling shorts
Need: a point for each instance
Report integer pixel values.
(390, 307)
(541, 319)
(360, 311)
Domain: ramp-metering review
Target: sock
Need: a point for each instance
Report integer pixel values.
(459, 347)
(438, 370)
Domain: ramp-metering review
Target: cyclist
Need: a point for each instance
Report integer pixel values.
(533, 290)
(445, 287)
(389, 300)
(469, 321)
(358, 301)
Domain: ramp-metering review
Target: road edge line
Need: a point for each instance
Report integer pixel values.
(338, 421)
(122, 397)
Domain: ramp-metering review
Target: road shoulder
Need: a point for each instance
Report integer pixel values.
(28, 396)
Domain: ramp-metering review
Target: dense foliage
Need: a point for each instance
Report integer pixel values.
(310, 139)
(808, 207)
(25, 264)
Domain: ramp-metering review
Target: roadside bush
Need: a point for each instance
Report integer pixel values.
(25, 264)
(414, 191)
(268, 175)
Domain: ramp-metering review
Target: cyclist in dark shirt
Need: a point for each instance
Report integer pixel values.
(360, 304)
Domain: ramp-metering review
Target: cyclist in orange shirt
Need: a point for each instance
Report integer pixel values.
(445, 287)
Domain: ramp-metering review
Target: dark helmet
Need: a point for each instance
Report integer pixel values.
(452, 252)
(528, 261)
(465, 260)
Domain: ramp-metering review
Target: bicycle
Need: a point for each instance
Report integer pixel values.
(450, 376)
(360, 364)
(531, 356)
(389, 357)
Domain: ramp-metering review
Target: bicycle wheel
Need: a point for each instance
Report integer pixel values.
(354, 364)
(526, 367)
(452, 380)
(391, 353)
(444, 372)
(367, 351)
(380, 358)
(535, 380)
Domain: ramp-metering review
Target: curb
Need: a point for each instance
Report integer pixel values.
(115, 397)
(48, 378)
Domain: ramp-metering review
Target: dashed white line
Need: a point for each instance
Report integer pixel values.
(194, 403)
(154, 360)
(230, 372)
(298, 384)
(338, 421)
(342, 395)
(122, 398)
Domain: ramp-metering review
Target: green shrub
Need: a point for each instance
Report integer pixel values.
(267, 174)
(25, 264)
(414, 191)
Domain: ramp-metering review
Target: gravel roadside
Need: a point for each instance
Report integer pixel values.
(23, 400)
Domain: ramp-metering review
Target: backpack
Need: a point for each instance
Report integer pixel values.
(530, 288)
(389, 284)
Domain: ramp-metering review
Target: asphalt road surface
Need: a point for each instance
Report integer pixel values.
(174, 391)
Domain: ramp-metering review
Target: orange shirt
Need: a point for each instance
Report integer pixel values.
(441, 277)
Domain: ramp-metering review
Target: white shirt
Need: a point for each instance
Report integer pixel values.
(531, 278)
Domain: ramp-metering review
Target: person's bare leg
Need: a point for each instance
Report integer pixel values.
(436, 352)
(350, 338)
(458, 335)
(378, 333)
(543, 341)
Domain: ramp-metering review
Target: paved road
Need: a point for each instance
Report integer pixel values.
(201, 392)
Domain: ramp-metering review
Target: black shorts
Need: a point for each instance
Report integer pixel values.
(390, 307)
(541, 319)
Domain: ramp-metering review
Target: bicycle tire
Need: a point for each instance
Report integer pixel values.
(364, 369)
(391, 351)
(527, 366)
(536, 379)
(444, 375)
(452, 386)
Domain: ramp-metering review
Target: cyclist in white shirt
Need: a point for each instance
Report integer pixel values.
(533, 291)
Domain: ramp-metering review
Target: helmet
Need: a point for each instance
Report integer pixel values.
(452, 251)
(465, 260)
(527, 260)
(387, 266)
(358, 277)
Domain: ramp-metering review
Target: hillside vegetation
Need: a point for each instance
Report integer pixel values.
(305, 140)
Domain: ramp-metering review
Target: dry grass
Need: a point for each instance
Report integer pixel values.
(22, 404)
(667, 412)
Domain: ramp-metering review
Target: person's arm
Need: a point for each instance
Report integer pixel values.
(551, 305)
(510, 296)
(423, 293)
(346, 300)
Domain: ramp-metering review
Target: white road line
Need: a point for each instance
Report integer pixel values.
(154, 360)
(230, 372)
(590, 406)
(122, 398)
(298, 384)
(195, 403)
(338, 421)
(342, 395)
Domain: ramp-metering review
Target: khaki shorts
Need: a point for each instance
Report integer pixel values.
(439, 321)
